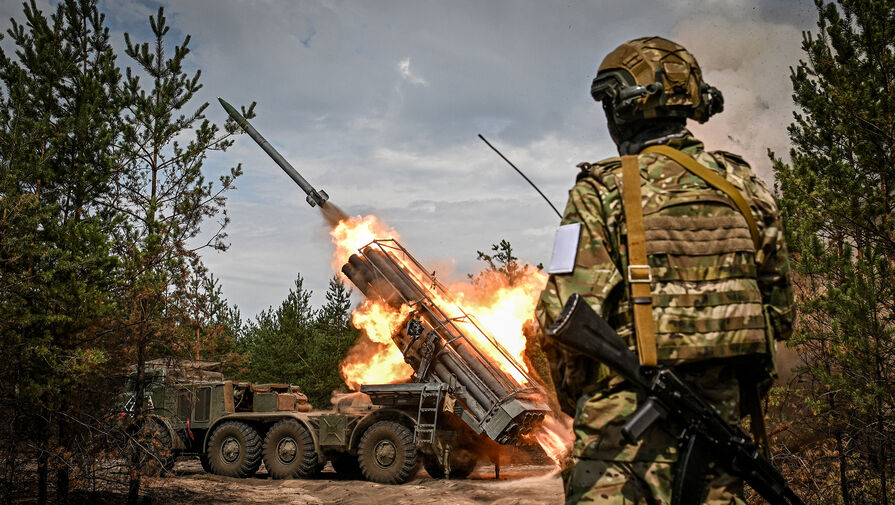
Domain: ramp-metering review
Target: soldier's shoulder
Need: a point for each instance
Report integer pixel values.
(741, 168)
(734, 158)
(598, 168)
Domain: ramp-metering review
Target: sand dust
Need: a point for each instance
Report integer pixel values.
(518, 485)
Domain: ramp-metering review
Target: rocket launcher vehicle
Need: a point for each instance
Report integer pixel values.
(502, 402)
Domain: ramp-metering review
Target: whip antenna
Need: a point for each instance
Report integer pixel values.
(523, 175)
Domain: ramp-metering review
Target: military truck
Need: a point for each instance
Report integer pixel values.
(380, 434)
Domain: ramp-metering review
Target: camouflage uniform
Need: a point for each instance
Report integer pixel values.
(714, 309)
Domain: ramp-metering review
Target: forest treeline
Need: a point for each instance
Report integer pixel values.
(106, 213)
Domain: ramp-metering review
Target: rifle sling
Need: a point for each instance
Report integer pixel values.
(639, 274)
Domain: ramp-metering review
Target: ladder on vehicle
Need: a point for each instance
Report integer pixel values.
(430, 403)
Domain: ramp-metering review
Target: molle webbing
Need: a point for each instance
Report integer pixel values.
(696, 236)
(717, 182)
(703, 300)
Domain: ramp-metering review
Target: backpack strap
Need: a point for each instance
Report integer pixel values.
(718, 182)
(639, 274)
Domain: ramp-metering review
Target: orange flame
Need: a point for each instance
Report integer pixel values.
(492, 303)
(385, 365)
(555, 436)
(501, 308)
(355, 232)
(374, 359)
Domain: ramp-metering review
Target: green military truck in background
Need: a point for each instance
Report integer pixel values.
(232, 427)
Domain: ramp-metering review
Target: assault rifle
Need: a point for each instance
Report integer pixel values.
(705, 437)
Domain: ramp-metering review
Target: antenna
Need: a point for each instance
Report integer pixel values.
(523, 175)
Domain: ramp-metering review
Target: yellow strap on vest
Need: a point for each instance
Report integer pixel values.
(718, 182)
(639, 273)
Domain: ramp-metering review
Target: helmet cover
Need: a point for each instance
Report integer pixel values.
(653, 77)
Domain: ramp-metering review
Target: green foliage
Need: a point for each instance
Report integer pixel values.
(297, 344)
(101, 209)
(503, 262)
(837, 197)
(165, 200)
(58, 124)
(210, 325)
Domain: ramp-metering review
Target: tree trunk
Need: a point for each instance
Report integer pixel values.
(62, 474)
(133, 491)
(884, 484)
(843, 474)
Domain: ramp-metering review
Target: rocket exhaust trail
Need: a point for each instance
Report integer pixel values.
(332, 214)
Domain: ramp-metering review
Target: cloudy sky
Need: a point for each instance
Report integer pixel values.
(380, 104)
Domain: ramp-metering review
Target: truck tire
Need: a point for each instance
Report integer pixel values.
(462, 464)
(203, 460)
(156, 448)
(346, 466)
(386, 453)
(289, 451)
(234, 450)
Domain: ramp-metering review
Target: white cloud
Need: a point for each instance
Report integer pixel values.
(404, 69)
(749, 62)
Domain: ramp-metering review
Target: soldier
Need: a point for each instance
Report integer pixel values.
(682, 251)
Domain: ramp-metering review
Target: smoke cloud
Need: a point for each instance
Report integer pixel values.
(749, 62)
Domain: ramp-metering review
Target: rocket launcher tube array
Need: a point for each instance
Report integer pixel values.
(494, 402)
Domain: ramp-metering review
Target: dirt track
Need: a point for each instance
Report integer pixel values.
(521, 485)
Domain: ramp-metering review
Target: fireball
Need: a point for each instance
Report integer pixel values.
(500, 307)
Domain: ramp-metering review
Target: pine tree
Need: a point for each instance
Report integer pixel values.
(335, 336)
(299, 345)
(166, 200)
(837, 198)
(211, 326)
(57, 135)
(502, 261)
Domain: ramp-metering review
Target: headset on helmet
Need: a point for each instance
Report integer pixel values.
(652, 77)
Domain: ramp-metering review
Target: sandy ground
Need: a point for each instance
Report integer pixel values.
(522, 485)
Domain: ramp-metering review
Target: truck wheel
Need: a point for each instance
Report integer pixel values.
(386, 453)
(203, 460)
(156, 448)
(289, 451)
(234, 450)
(462, 464)
(346, 465)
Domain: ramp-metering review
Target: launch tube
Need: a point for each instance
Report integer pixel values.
(494, 402)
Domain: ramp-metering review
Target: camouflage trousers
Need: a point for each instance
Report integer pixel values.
(608, 471)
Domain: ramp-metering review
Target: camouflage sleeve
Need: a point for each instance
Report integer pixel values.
(594, 277)
(773, 272)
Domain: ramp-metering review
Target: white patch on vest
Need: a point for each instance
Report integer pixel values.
(565, 249)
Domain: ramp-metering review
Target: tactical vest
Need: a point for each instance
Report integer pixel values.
(700, 293)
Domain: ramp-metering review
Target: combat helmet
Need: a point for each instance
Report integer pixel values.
(652, 77)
